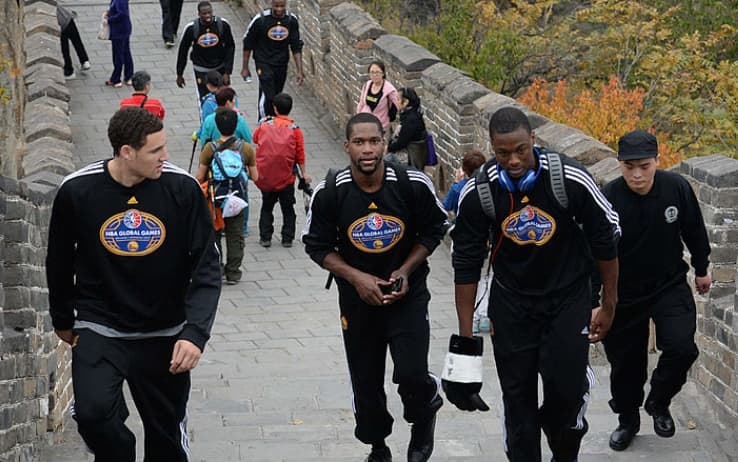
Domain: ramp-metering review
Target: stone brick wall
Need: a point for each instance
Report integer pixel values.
(341, 40)
(35, 372)
(715, 181)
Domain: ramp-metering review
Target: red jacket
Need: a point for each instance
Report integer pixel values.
(152, 105)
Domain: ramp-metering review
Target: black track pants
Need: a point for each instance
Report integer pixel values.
(271, 82)
(674, 314)
(99, 367)
(367, 332)
(546, 336)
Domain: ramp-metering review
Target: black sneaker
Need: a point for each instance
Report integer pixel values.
(378, 454)
(287, 244)
(265, 243)
(421, 435)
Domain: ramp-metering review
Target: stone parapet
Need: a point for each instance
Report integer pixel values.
(715, 182)
(35, 370)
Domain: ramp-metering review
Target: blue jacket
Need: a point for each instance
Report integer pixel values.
(119, 20)
(209, 131)
(451, 202)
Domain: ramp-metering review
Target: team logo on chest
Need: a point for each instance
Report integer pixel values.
(132, 233)
(529, 225)
(278, 33)
(208, 40)
(376, 233)
(671, 214)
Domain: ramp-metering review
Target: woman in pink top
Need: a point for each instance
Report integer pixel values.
(378, 96)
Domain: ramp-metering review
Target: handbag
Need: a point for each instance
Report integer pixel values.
(431, 158)
(104, 32)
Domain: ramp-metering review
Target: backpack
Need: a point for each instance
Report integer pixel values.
(276, 155)
(227, 170)
(216, 26)
(556, 181)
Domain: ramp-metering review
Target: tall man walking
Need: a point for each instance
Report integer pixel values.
(134, 281)
(658, 210)
(213, 48)
(373, 226)
(270, 36)
(540, 296)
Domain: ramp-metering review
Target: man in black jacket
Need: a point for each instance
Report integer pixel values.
(373, 226)
(270, 36)
(540, 295)
(213, 48)
(658, 210)
(134, 281)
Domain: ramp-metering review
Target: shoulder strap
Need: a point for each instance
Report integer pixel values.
(556, 177)
(403, 180)
(485, 193)
(143, 103)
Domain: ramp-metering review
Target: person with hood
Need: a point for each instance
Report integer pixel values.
(411, 135)
(119, 20)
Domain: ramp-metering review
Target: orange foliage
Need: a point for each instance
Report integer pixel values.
(605, 115)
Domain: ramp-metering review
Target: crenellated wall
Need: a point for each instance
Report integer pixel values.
(35, 154)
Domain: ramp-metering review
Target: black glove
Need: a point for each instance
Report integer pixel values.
(462, 373)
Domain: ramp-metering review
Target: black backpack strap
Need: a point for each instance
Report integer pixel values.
(557, 179)
(143, 103)
(481, 179)
(331, 191)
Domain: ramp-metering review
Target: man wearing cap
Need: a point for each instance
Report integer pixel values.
(658, 210)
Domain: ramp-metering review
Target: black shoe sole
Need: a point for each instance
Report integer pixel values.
(664, 434)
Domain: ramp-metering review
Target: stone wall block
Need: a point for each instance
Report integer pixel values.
(37, 21)
(411, 56)
(43, 47)
(714, 170)
(605, 170)
(356, 22)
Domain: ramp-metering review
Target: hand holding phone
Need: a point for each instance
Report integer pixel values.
(396, 286)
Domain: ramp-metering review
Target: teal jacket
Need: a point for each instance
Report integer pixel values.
(209, 131)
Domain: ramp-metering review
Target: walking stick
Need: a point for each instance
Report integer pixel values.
(192, 157)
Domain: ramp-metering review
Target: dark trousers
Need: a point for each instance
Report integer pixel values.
(286, 199)
(367, 332)
(546, 336)
(626, 346)
(122, 60)
(71, 33)
(171, 10)
(234, 245)
(99, 367)
(200, 81)
(271, 82)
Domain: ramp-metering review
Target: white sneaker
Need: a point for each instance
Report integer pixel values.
(86, 66)
(71, 76)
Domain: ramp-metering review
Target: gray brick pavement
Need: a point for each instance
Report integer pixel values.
(273, 385)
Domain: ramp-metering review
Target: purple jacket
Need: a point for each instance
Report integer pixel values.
(119, 20)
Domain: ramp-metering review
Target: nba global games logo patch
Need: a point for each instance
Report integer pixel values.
(132, 233)
(376, 233)
(529, 225)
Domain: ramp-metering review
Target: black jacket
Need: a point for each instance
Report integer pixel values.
(271, 39)
(412, 128)
(374, 232)
(543, 248)
(137, 259)
(210, 49)
(651, 253)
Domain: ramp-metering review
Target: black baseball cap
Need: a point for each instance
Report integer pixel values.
(637, 144)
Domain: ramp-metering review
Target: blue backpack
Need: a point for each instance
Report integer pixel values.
(228, 172)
